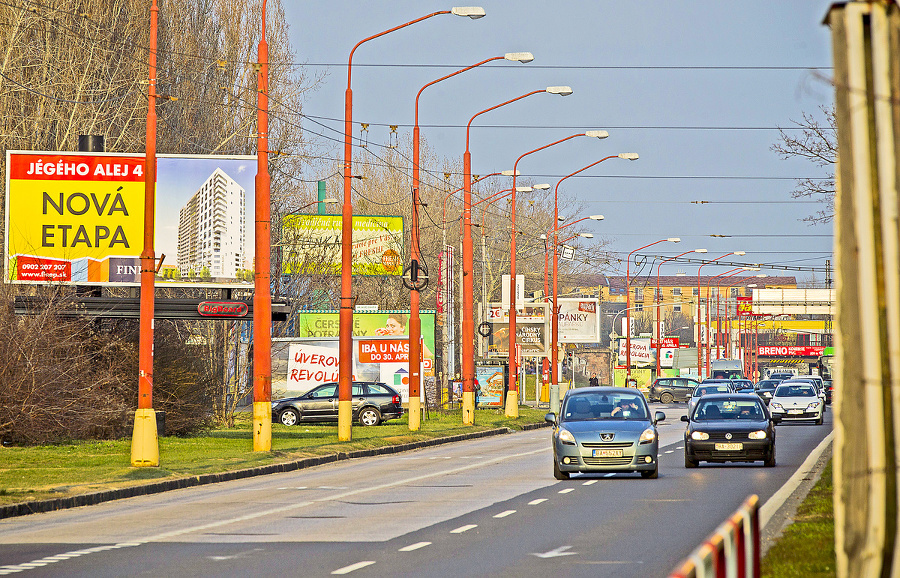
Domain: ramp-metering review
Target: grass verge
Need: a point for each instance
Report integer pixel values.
(806, 548)
(58, 471)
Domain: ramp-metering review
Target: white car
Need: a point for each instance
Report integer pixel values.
(797, 401)
(813, 380)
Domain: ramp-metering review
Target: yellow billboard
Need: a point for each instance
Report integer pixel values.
(312, 244)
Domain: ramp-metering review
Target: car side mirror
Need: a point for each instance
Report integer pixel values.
(660, 416)
(685, 418)
(550, 418)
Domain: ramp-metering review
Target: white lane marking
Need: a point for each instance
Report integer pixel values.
(567, 490)
(462, 529)
(556, 552)
(536, 502)
(505, 514)
(294, 488)
(609, 475)
(415, 546)
(352, 567)
(15, 569)
(332, 487)
(670, 452)
(589, 483)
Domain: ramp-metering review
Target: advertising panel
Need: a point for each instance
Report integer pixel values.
(309, 365)
(492, 383)
(373, 324)
(78, 218)
(579, 321)
(791, 350)
(532, 330)
(641, 352)
(744, 306)
(312, 244)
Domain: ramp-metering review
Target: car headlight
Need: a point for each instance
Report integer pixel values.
(813, 405)
(566, 437)
(776, 405)
(700, 435)
(758, 435)
(647, 436)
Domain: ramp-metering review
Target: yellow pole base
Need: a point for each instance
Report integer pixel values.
(468, 408)
(415, 413)
(144, 441)
(345, 421)
(262, 426)
(512, 404)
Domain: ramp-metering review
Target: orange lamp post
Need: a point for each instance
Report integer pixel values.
(656, 299)
(345, 319)
(468, 321)
(700, 311)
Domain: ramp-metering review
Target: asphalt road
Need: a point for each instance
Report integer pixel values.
(487, 507)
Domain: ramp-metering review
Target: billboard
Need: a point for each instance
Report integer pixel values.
(379, 324)
(532, 330)
(579, 321)
(312, 244)
(78, 218)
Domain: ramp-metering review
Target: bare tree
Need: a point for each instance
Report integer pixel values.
(817, 142)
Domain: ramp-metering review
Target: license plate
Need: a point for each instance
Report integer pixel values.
(729, 447)
(795, 411)
(607, 453)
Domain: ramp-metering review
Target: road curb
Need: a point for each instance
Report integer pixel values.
(38, 506)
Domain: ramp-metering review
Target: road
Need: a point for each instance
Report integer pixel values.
(487, 507)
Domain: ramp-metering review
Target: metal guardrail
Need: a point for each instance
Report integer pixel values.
(731, 551)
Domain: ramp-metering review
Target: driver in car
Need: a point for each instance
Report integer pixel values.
(624, 406)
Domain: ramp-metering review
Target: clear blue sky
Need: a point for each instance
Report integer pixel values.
(696, 88)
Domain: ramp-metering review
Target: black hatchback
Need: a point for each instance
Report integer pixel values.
(372, 403)
(669, 389)
(729, 427)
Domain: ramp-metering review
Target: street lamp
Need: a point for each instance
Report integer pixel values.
(699, 311)
(728, 273)
(656, 298)
(345, 351)
(727, 319)
(628, 302)
(554, 354)
(512, 396)
(468, 322)
(417, 283)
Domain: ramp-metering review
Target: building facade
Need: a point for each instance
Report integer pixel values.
(211, 229)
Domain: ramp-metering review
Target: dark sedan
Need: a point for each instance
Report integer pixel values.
(729, 427)
(372, 403)
(669, 389)
(765, 389)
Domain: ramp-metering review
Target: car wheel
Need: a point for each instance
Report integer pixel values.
(289, 417)
(770, 461)
(821, 419)
(369, 416)
(557, 473)
(651, 474)
(689, 463)
(666, 398)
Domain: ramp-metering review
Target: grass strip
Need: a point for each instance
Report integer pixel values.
(806, 547)
(64, 470)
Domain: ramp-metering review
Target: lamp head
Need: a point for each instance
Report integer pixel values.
(543, 237)
(522, 57)
(540, 187)
(750, 268)
(739, 253)
(596, 217)
(523, 189)
(699, 250)
(586, 235)
(510, 172)
(674, 240)
(560, 90)
(473, 12)
(560, 219)
(761, 275)
(628, 156)
(596, 133)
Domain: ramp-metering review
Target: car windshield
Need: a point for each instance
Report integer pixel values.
(795, 391)
(728, 409)
(706, 389)
(593, 406)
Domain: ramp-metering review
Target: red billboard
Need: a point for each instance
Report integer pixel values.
(791, 350)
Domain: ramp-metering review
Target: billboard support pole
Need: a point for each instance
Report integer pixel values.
(262, 293)
(144, 441)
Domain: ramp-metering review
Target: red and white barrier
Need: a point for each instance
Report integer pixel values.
(731, 551)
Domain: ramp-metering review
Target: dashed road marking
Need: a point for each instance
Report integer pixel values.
(536, 502)
(504, 514)
(462, 529)
(352, 567)
(589, 482)
(415, 546)
(567, 490)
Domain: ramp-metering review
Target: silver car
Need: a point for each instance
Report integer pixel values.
(605, 429)
(797, 400)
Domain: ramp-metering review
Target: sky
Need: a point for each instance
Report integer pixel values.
(696, 88)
